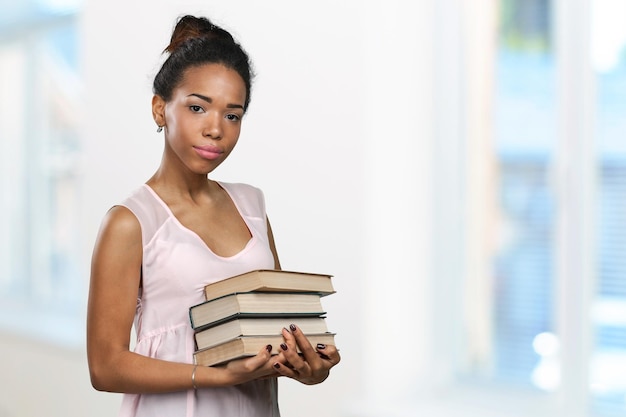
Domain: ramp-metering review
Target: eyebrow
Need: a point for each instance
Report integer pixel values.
(210, 100)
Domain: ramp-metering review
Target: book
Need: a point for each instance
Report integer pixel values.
(249, 346)
(224, 329)
(254, 304)
(271, 280)
(256, 326)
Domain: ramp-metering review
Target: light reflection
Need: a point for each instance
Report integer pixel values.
(547, 373)
(608, 33)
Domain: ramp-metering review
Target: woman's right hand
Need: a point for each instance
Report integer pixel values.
(247, 369)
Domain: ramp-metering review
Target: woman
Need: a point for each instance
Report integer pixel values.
(157, 250)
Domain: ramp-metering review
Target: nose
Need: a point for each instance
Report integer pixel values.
(213, 126)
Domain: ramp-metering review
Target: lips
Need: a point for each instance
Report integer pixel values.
(208, 151)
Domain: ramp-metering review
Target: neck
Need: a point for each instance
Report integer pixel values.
(181, 183)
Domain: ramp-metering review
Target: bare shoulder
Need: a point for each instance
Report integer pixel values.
(119, 221)
(119, 236)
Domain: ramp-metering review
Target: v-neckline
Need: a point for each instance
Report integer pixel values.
(197, 236)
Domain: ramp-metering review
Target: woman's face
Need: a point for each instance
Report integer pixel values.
(203, 118)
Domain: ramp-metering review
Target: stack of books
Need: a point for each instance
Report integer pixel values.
(247, 312)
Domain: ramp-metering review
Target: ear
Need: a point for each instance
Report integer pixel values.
(158, 110)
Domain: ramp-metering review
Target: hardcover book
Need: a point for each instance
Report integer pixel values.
(245, 313)
(249, 346)
(271, 280)
(255, 304)
(256, 326)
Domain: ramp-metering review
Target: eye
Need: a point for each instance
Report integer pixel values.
(196, 109)
(233, 117)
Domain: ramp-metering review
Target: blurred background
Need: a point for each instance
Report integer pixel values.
(458, 166)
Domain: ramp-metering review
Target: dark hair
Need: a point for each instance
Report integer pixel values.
(196, 41)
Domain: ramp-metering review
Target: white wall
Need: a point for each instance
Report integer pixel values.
(339, 136)
(38, 379)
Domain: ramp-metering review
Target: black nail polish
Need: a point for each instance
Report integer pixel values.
(321, 346)
(269, 348)
(292, 327)
(277, 365)
(283, 346)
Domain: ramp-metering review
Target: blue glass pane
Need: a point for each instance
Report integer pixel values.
(525, 132)
(523, 268)
(608, 370)
(39, 40)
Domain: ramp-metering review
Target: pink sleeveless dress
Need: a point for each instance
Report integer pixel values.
(177, 264)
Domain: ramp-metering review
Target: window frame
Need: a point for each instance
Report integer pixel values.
(48, 308)
(463, 63)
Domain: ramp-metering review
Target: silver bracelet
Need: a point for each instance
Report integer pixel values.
(193, 377)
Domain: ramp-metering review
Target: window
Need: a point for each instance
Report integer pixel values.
(556, 208)
(40, 94)
(608, 358)
(524, 142)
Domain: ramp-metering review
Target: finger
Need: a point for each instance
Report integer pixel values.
(303, 343)
(244, 369)
(289, 348)
(310, 362)
(260, 359)
(290, 340)
(284, 370)
(328, 352)
(281, 359)
(294, 360)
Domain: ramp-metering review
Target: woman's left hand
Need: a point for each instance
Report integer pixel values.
(310, 366)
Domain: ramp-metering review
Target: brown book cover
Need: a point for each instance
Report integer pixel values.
(271, 280)
(256, 326)
(249, 346)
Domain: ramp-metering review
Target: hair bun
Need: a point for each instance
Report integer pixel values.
(191, 27)
(195, 42)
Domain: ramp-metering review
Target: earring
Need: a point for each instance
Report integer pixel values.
(160, 129)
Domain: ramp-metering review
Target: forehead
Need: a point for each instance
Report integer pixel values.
(213, 80)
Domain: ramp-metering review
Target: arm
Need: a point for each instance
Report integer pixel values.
(114, 285)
